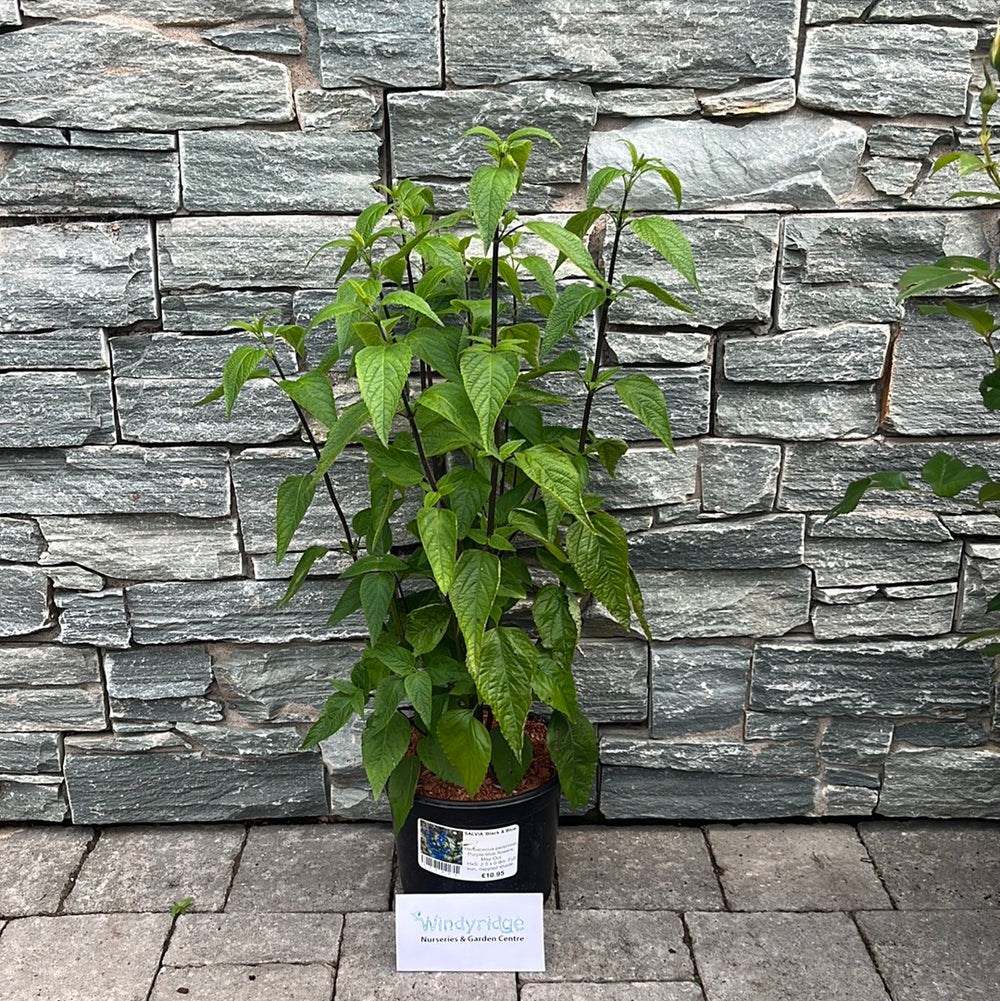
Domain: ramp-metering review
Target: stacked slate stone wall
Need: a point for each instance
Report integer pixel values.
(167, 165)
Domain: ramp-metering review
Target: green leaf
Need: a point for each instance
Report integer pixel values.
(856, 489)
(426, 627)
(556, 626)
(600, 181)
(509, 767)
(669, 242)
(336, 714)
(383, 745)
(467, 492)
(450, 401)
(348, 603)
(657, 291)
(210, 397)
(574, 303)
(610, 451)
(488, 377)
(989, 492)
(302, 568)
(553, 682)
(645, 399)
(569, 246)
(503, 679)
(948, 476)
(341, 434)
(556, 474)
(239, 367)
(438, 531)
(472, 593)
(432, 756)
(419, 691)
(314, 394)
(438, 348)
(467, 746)
(410, 300)
(542, 272)
(989, 389)
(401, 465)
(382, 372)
(600, 557)
(929, 278)
(294, 497)
(490, 189)
(573, 746)
(376, 596)
(400, 789)
(368, 564)
(672, 181)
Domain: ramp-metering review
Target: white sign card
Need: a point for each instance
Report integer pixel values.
(469, 932)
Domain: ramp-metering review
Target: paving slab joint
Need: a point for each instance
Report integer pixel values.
(236, 867)
(877, 869)
(871, 951)
(689, 942)
(163, 955)
(75, 874)
(717, 869)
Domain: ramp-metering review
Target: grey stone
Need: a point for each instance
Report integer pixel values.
(856, 742)
(249, 938)
(94, 75)
(648, 476)
(37, 866)
(20, 540)
(882, 523)
(803, 305)
(798, 411)
(76, 274)
(791, 957)
(165, 711)
(834, 10)
(152, 868)
(122, 786)
(896, 617)
(846, 801)
(56, 408)
(29, 754)
(799, 160)
(738, 477)
(260, 252)
(178, 356)
(841, 62)
(618, 991)
(660, 347)
(38, 180)
(647, 102)
(238, 741)
(158, 672)
(953, 782)
(706, 603)
(288, 869)
(149, 141)
(253, 982)
(55, 957)
(47, 665)
(69, 577)
(972, 524)
(146, 547)
(841, 562)
(216, 310)
(751, 99)
(189, 481)
(853, 778)
(368, 969)
(267, 39)
(341, 110)
(428, 127)
(77, 348)
(588, 41)
(780, 726)
(37, 137)
(611, 945)
(978, 584)
(162, 11)
(891, 678)
(781, 867)
(919, 10)
(928, 956)
(844, 595)
(319, 171)
(645, 868)
(849, 352)
(735, 257)
(935, 866)
(892, 177)
(390, 43)
(9, 13)
(612, 679)
(697, 689)
(769, 541)
(957, 734)
(93, 617)
(350, 790)
(903, 141)
(24, 606)
(36, 798)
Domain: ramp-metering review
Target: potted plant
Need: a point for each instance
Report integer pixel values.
(475, 412)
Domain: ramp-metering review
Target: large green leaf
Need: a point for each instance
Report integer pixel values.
(509, 767)
(419, 691)
(669, 242)
(556, 626)
(948, 476)
(504, 680)
(645, 399)
(433, 757)
(314, 394)
(574, 303)
(438, 530)
(856, 489)
(426, 626)
(490, 189)
(382, 372)
(569, 246)
(553, 683)
(341, 434)
(438, 348)
(302, 568)
(600, 556)
(376, 596)
(383, 744)
(335, 716)
(467, 492)
(400, 789)
(450, 401)
(556, 474)
(473, 591)
(410, 300)
(466, 745)
(488, 377)
(573, 746)
(239, 367)
(294, 497)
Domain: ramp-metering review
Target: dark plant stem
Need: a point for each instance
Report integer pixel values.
(495, 484)
(415, 431)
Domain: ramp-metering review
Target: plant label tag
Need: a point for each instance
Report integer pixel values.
(474, 856)
(469, 932)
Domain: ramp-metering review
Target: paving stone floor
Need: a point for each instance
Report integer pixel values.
(879, 911)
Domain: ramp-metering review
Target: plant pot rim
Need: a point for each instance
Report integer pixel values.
(485, 804)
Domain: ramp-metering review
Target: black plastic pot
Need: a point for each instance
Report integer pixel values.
(499, 846)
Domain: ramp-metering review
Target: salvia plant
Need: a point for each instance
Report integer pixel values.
(459, 335)
(945, 475)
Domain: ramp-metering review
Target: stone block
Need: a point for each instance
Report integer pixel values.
(648, 476)
(93, 617)
(697, 689)
(883, 523)
(90, 480)
(9, 12)
(957, 734)
(781, 867)
(844, 595)
(158, 672)
(948, 782)
(612, 680)
(978, 584)
(659, 347)
(148, 141)
(216, 310)
(264, 39)
(149, 869)
(588, 41)
(841, 62)
(845, 562)
(49, 180)
(766, 98)
(47, 664)
(45, 707)
(163, 11)
(891, 678)
(795, 161)
(35, 798)
(647, 102)
(805, 305)
(618, 991)
(165, 711)
(24, 600)
(97, 75)
(179, 356)
(319, 171)
(288, 869)
(69, 348)
(29, 754)
(75, 274)
(428, 127)
(32, 136)
(780, 726)
(770, 541)
(856, 742)
(37, 865)
(847, 352)
(389, 43)
(895, 617)
(20, 540)
(738, 477)
(341, 110)
(45, 409)
(252, 982)
(845, 801)
(708, 603)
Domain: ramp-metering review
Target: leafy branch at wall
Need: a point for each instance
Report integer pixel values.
(476, 417)
(944, 474)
